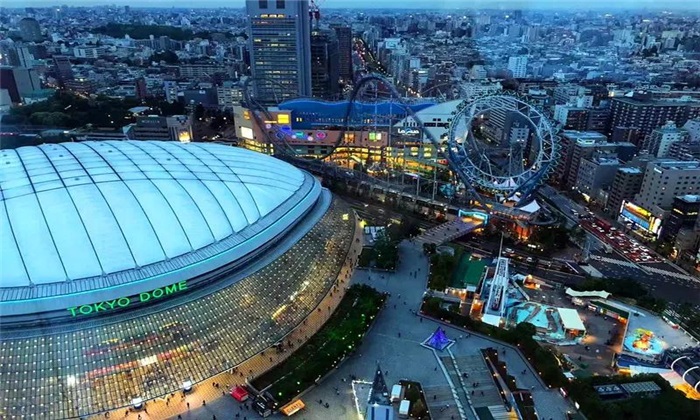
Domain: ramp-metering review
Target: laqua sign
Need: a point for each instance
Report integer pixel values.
(123, 302)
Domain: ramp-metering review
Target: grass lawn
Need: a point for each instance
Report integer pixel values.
(337, 338)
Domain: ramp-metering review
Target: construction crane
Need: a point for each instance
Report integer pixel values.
(314, 12)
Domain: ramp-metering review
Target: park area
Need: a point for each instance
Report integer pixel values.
(340, 336)
(453, 267)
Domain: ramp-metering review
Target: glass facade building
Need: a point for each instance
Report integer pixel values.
(75, 367)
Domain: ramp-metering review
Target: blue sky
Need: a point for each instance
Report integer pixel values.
(433, 4)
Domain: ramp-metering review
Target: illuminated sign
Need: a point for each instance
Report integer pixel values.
(123, 302)
(641, 217)
(375, 136)
(320, 135)
(247, 133)
(282, 118)
(409, 131)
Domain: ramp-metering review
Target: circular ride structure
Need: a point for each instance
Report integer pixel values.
(506, 166)
(491, 172)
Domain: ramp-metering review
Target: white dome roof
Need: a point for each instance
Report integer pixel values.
(88, 210)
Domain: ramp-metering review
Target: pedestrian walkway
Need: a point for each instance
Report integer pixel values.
(447, 231)
(485, 393)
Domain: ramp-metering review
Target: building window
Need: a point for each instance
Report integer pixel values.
(280, 4)
(262, 4)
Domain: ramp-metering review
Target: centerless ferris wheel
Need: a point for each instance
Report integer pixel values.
(510, 166)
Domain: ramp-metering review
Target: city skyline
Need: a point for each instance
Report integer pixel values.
(597, 5)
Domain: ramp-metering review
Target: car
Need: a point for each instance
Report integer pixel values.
(508, 251)
(529, 259)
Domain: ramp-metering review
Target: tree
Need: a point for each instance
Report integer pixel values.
(168, 56)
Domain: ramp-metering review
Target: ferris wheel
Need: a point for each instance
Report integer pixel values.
(502, 145)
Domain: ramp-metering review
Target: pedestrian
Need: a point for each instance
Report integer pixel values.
(421, 320)
(434, 397)
(472, 392)
(188, 406)
(139, 417)
(204, 403)
(327, 405)
(213, 417)
(179, 416)
(482, 393)
(399, 335)
(435, 370)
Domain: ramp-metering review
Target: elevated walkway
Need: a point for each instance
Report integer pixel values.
(447, 232)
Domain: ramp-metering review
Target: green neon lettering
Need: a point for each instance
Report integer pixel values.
(123, 302)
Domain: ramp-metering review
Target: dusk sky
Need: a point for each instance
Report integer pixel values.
(534, 4)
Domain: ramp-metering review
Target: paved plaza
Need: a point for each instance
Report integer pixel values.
(395, 343)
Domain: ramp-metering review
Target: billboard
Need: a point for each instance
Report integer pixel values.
(640, 217)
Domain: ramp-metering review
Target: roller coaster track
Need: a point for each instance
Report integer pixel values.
(278, 139)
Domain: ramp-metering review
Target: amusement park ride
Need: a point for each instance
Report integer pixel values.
(500, 179)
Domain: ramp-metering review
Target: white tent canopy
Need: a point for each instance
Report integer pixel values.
(570, 319)
(531, 207)
(592, 293)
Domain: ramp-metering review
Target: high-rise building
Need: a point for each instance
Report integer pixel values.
(344, 35)
(659, 142)
(596, 173)
(30, 30)
(665, 179)
(625, 185)
(24, 57)
(645, 114)
(684, 214)
(64, 69)
(279, 33)
(518, 66)
(324, 64)
(19, 81)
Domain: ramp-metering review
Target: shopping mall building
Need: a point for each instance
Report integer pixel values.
(129, 268)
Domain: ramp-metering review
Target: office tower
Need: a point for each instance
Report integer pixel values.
(665, 179)
(30, 30)
(344, 35)
(625, 185)
(324, 64)
(279, 33)
(19, 82)
(64, 69)
(518, 66)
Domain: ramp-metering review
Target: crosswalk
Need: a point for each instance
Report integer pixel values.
(645, 268)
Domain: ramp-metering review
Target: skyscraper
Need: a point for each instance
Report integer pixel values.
(344, 34)
(279, 33)
(324, 64)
